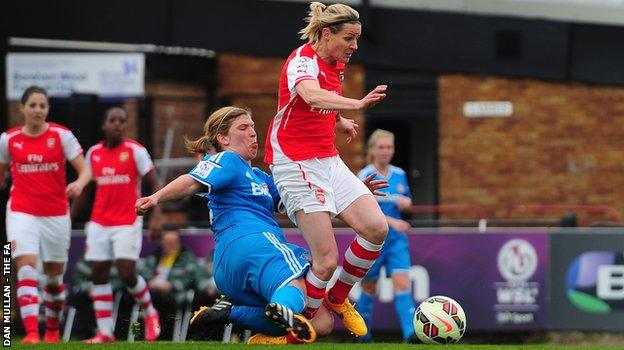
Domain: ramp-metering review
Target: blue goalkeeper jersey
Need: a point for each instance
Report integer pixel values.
(241, 198)
(397, 185)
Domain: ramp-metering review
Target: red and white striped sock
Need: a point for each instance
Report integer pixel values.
(102, 296)
(53, 301)
(28, 297)
(315, 291)
(142, 296)
(357, 260)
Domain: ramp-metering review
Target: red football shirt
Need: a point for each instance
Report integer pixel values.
(298, 131)
(37, 165)
(117, 173)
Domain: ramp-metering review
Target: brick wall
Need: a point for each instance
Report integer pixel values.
(253, 81)
(180, 106)
(564, 144)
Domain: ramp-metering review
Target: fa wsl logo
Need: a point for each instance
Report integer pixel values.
(517, 297)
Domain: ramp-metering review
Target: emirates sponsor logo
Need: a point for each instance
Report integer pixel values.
(37, 168)
(321, 111)
(113, 180)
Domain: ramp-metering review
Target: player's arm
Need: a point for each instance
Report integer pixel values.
(155, 220)
(317, 97)
(79, 202)
(398, 224)
(347, 126)
(404, 200)
(84, 176)
(4, 158)
(185, 185)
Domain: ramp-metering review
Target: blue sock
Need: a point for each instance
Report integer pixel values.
(365, 307)
(404, 305)
(291, 297)
(253, 318)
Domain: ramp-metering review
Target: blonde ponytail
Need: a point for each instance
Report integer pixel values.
(322, 16)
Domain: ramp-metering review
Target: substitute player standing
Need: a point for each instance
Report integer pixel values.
(37, 219)
(313, 181)
(115, 231)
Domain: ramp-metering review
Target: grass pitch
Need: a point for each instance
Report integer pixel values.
(346, 346)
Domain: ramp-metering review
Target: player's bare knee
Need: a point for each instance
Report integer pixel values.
(99, 276)
(401, 285)
(324, 272)
(400, 282)
(323, 322)
(324, 328)
(129, 278)
(325, 266)
(26, 260)
(53, 269)
(369, 287)
(376, 232)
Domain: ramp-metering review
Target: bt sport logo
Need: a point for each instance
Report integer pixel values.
(595, 281)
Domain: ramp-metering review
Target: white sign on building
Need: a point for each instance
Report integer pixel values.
(476, 109)
(61, 74)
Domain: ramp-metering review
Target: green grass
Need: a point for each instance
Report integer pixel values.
(348, 346)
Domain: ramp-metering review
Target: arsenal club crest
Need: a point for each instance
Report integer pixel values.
(123, 156)
(51, 142)
(320, 195)
(341, 76)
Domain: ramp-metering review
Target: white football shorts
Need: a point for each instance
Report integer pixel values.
(108, 243)
(45, 236)
(316, 185)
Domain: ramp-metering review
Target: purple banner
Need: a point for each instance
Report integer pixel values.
(499, 278)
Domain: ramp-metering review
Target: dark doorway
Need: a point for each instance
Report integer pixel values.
(415, 152)
(411, 113)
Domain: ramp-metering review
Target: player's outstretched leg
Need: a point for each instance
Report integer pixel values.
(296, 324)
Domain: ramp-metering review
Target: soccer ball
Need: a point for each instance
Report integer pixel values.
(439, 320)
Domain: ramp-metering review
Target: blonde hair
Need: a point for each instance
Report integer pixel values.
(376, 135)
(322, 16)
(219, 122)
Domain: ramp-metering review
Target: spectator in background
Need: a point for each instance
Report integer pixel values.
(395, 255)
(171, 270)
(37, 221)
(115, 232)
